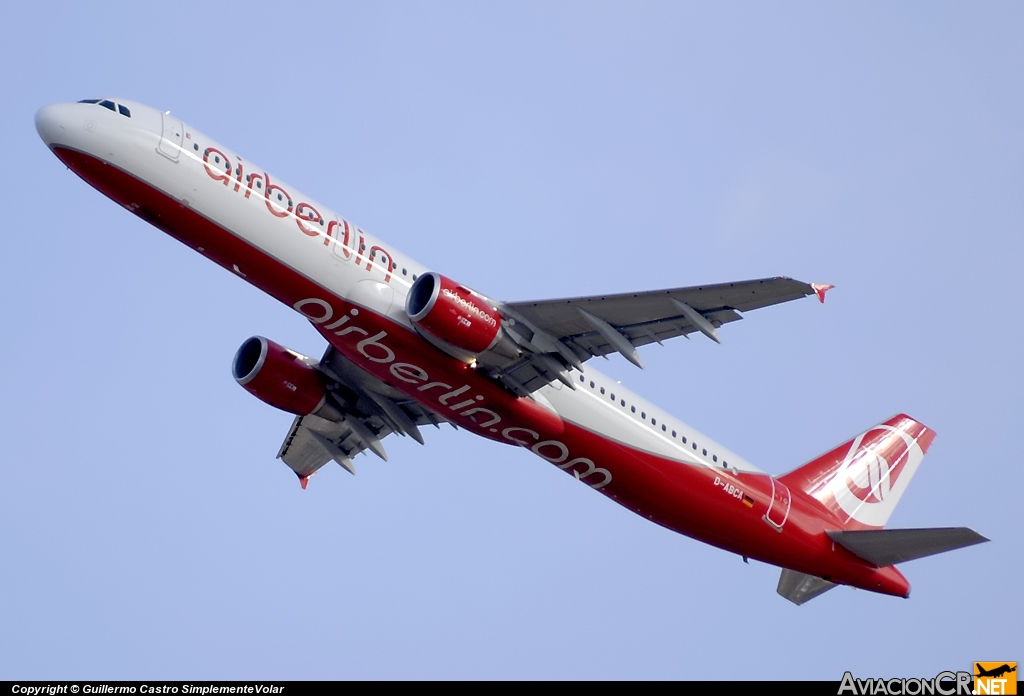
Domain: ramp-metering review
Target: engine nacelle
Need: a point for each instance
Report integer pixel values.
(279, 376)
(458, 321)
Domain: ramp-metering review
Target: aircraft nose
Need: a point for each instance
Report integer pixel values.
(51, 122)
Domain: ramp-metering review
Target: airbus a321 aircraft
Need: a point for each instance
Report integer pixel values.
(408, 347)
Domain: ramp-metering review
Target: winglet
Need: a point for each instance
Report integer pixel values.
(303, 481)
(821, 289)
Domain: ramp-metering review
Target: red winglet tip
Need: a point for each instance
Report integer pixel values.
(821, 289)
(303, 481)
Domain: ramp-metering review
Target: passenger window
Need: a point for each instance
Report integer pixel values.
(714, 458)
(663, 427)
(633, 409)
(705, 452)
(643, 414)
(602, 390)
(674, 434)
(623, 402)
(654, 421)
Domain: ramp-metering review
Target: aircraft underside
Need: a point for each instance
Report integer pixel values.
(383, 375)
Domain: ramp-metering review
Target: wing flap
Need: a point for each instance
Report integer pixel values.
(301, 452)
(313, 441)
(366, 411)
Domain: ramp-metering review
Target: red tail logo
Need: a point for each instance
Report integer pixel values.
(862, 480)
(876, 463)
(877, 468)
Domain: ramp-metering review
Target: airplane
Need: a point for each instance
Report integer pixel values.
(409, 347)
(996, 672)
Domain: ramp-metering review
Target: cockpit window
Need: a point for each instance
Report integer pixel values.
(107, 104)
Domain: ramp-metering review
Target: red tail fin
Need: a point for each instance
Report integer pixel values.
(862, 480)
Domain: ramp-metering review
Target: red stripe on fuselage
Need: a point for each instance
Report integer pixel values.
(682, 497)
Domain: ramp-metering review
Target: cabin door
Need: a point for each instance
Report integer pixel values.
(171, 138)
(778, 507)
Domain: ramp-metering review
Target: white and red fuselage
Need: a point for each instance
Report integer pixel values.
(313, 260)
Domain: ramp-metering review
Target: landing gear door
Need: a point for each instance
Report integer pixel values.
(171, 137)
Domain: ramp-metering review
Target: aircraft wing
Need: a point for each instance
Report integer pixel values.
(564, 333)
(368, 411)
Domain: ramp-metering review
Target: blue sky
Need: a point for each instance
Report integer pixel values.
(530, 151)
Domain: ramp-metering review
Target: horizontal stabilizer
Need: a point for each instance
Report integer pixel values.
(886, 547)
(800, 587)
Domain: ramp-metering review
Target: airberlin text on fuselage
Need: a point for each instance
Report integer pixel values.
(372, 348)
(308, 219)
(280, 204)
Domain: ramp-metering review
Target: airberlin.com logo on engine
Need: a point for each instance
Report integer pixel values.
(470, 306)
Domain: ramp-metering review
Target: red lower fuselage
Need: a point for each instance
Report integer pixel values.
(721, 501)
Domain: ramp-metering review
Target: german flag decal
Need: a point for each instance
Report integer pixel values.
(748, 501)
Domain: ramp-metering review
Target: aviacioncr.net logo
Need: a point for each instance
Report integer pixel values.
(943, 684)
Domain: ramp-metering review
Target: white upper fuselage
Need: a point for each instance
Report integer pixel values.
(313, 241)
(353, 289)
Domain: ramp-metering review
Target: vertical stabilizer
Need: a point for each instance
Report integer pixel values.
(862, 480)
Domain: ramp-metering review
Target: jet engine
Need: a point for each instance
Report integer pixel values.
(279, 376)
(459, 321)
